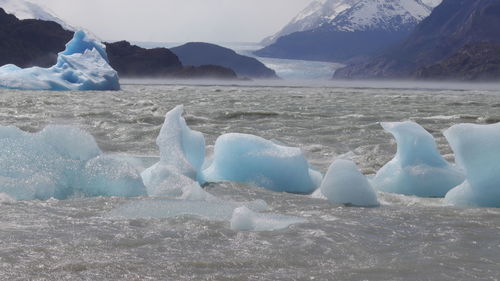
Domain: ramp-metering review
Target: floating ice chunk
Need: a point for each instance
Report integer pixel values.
(251, 159)
(477, 150)
(418, 168)
(60, 162)
(109, 176)
(82, 66)
(244, 219)
(182, 153)
(216, 209)
(344, 184)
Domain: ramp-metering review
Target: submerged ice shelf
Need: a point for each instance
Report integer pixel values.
(83, 65)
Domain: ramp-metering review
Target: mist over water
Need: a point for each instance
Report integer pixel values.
(407, 238)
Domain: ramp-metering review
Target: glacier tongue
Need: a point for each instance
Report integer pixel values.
(82, 66)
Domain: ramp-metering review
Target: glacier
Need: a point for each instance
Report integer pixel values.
(477, 151)
(82, 66)
(255, 160)
(344, 184)
(61, 162)
(182, 154)
(418, 168)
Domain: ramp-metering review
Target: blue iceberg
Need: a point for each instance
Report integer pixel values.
(418, 168)
(254, 160)
(82, 66)
(344, 184)
(182, 154)
(477, 151)
(61, 162)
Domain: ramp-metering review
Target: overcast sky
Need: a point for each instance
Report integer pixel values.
(178, 20)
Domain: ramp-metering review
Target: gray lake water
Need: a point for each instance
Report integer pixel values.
(407, 238)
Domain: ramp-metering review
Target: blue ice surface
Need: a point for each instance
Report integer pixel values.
(254, 160)
(61, 162)
(345, 184)
(418, 168)
(182, 154)
(477, 151)
(83, 65)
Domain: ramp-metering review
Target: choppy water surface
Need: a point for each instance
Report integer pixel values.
(407, 238)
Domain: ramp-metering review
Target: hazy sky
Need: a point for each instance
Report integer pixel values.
(178, 20)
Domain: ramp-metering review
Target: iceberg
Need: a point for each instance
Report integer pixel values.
(61, 162)
(254, 160)
(344, 184)
(418, 168)
(244, 219)
(83, 65)
(477, 151)
(182, 154)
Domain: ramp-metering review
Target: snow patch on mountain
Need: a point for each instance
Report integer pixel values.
(315, 14)
(24, 9)
(432, 3)
(358, 15)
(381, 15)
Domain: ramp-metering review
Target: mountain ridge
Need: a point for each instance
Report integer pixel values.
(451, 26)
(360, 31)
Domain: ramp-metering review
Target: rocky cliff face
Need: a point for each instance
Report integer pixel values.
(474, 62)
(133, 61)
(198, 53)
(451, 26)
(30, 42)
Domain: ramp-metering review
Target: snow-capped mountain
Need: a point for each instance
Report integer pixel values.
(24, 9)
(314, 15)
(340, 30)
(363, 13)
(381, 15)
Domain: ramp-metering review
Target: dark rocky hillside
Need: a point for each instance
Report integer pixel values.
(451, 26)
(198, 54)
(471, 63)
(27, 43)
(133, 61)
(30, 42)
